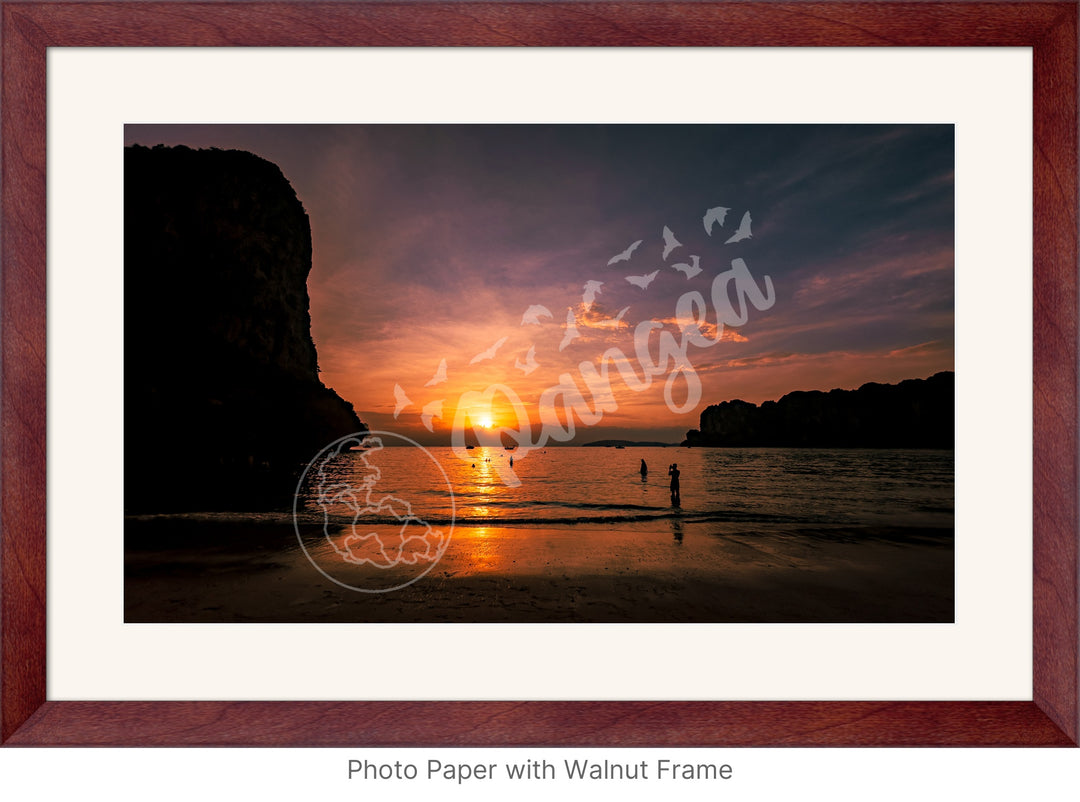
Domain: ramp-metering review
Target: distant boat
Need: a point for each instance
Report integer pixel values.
(470, 448)
(509, 448)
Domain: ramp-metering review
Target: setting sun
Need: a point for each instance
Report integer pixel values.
(537, 374)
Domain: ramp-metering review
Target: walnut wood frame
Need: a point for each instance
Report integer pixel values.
(28, 718)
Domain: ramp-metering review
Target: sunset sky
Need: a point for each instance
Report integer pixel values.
(432, 242)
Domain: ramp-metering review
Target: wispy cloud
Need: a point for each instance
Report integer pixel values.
(430, 242)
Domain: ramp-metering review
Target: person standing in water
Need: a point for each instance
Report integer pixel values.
(673, 472)
(644, 470)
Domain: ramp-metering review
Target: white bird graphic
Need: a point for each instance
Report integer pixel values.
(534, 313)
(625, 255)
(715, 215)
(610, 322)
(489, 353)
(432, 410)
(743, 231)
(670, 243)
(642, 281)
(530, 364)
(400, 399)
(592, 289)
(690, 270)
(440, 375)
(571, 332)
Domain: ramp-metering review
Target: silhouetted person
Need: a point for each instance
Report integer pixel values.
(511, 462)
(673, 472)
(644, 470)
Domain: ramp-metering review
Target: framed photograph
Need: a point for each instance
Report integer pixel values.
(625, 354)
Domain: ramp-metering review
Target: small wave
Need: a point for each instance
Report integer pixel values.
(316, 518)
(479, 500)
(562, 520)
(619, 515)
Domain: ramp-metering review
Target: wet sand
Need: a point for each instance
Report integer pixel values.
(180, 570)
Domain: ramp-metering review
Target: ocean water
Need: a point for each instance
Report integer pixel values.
(579, 485)
(571, 534)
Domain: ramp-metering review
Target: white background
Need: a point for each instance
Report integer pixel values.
(92, 93)
(759, 775)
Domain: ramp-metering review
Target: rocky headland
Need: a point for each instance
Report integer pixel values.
(223, 401)
(916, 413)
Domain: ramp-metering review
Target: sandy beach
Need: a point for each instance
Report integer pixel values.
(670, 571)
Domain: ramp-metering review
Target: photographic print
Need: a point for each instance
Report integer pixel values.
(603, 373)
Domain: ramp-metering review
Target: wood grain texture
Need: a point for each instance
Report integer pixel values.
(1055, 378)
(1050, 29)
(637, 724)
(741, 24)
(22, 362)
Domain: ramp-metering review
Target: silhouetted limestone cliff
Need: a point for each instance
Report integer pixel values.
(222, 396)
(916, 413)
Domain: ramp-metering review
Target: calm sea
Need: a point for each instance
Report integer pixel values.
(603, 485)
